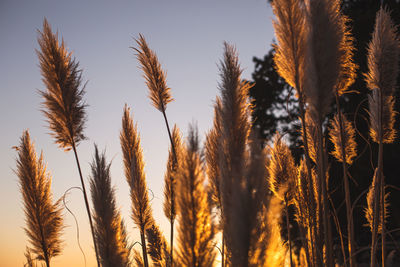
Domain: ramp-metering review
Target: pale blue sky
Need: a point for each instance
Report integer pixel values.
(188, 39)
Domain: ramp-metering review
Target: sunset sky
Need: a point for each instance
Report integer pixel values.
(188, 39)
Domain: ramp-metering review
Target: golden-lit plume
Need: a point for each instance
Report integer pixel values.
(154, 75)
(44, 221)
(303, 203)
(135, 176)
(242, 189)
(271, 250)
(157, 246)
(212, 152)
(63, 100)
(282, 178)
(383, 64)
(196, 228)
(349, 141)
(170, 177)
(109, 231)
(348, 69)
(383, 55)
(312, 137)
(369, 210)
(63, 103)
(282, 170)
(383, 59)
(249, 199)
(290, 32)
(137, 258)
(30, 262)
(169, 205)
(324, 51)
(388, 117)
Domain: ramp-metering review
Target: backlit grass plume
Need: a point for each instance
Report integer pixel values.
(282, 178)
(212, 158)
(169, 204)
(195, 228)
(348, 139)
(30, 262)
(241, 165)
(369, 210)
(160, 96)
(324, 51)
(383, 64)
(290, 31)
(157, 247)
(44, 221)
(63, 99)
(159, 92)
(212, 154)
(110, 233)
(135, 176)
(383, 60)
(282, 170)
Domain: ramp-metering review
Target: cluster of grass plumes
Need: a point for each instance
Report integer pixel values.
(251, 189)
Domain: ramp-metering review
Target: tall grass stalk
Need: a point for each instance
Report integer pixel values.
(291, 31)
(135, 176)
(159, 94)
(111, 237)
(342, 133)
(212, 157)
(43, 217)
(63, 100)
(196, 229)
(383, 56)
(282, 178)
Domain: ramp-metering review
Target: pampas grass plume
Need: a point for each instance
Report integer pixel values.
(350, 145)
(63, 98)
(155, 77)
(196, 228)
(282, 170)
(383, 58)
(290, 31)
(110, 233)
(170, 176)
(135, 176)
(44, 221)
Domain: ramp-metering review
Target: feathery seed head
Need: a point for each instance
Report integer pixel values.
(290, 31)
(383, 55)
(109, 231)
(155, 77)
(134, 171)
(196, 228)
(63, 98)
(349, 142)
(44, 221)
(324, 52)
(212, 153)
(282, 170)
(369, 210)
(157, 246)
(170, 175)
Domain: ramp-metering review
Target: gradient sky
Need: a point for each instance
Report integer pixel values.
(188, 38)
